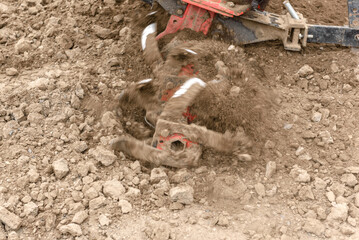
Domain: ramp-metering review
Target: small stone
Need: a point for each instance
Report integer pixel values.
(314, 226)
(349, 180)
(101, 32)
(182, 194)
(9, 219)
(260, 189)
(126, 207)
(64, 41)
(5, 9)
(319, 184)
(31, 209)
(323, 84)
(125, 33)
(108, 120)
(352, 169)
(326, 137)
(269, 144)
(118, 18)
(176, 206)
(80, 217)
(223, 221)
(347, 230)
(339, 212)
(97, 203)
(22, 46)
(181, 176)
(91, 193)
(306, 193)
(334, 67)
(80, 146)
(132, 193)
(136, 167)
(113, 189)
(157, 174)
(322, 215)
(331, 196)
(308, 135)
(347, 87)
(34, 176)
(299, 174)
(305, 71)
(60, 168)
(316, 117)
(104, 156)
(72, 228)
(18, 115)
(104, 220)
(338, 189)
(231, 47)
(271, 168)
(11, 72)
(40, 83)
(234, 92)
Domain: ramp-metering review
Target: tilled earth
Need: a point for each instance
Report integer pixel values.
(62, 65)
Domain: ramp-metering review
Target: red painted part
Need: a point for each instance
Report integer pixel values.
(189, 116)
(195, 18)
(174, 137)
(218, 6)
(187, 71)
(168, 94)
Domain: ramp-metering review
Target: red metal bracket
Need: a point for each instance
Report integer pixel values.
(195, 18)
(222, 7)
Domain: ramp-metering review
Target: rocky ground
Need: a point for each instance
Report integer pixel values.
(61, 65)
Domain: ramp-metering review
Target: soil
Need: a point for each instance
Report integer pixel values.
(63, 65)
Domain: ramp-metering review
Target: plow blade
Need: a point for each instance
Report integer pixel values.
(344, 36)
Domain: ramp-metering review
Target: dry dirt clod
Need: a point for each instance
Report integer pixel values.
(338, 212)
(306, 193)
(11, 72)
(97, 203)
(9, 219)
(22, 46)
(330, 195)
(260, 189)
(104, 220)
(271, 168)
(349, 180)
(182, 194)
(157, 174)
(113, 189)
(104, 156)
(31, 209)
(60, 168)
(125, 206)
(80, 146)
(299, 175)
(72, 228)
(101, 32)
(80, 217)
(314, 226)
(305, 71)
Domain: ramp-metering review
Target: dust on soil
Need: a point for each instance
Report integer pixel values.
(61, 65)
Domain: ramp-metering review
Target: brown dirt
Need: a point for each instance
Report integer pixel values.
(57, 116)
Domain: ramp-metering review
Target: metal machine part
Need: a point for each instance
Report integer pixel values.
(244, 25)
